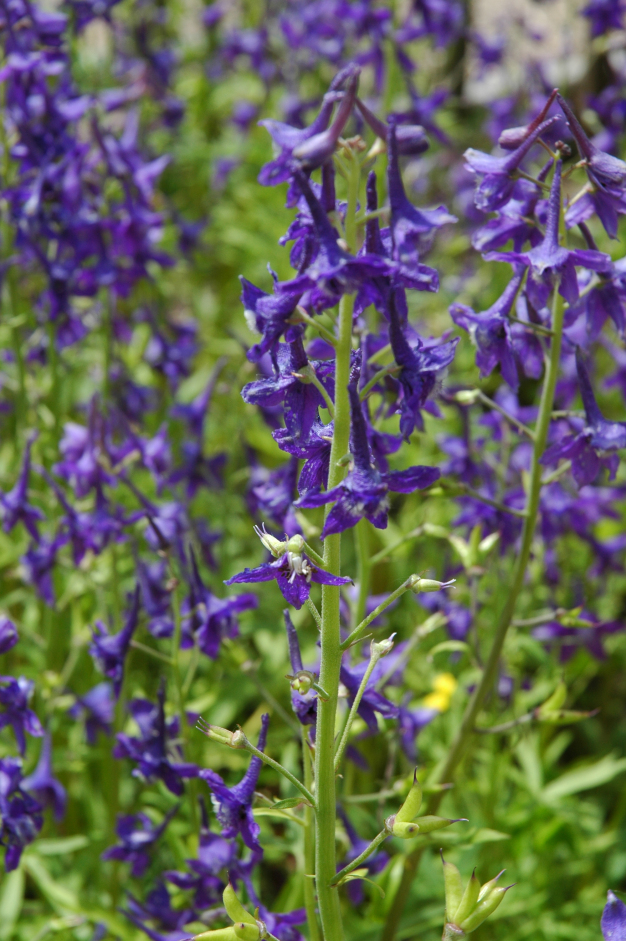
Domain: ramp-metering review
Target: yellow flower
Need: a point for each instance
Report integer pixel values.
(444, 686)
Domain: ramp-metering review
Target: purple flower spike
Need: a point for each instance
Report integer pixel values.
(109, 650)
(549, 260)
(499, 173)
(14, 697)
(15, 505)
(418, 375)
(491, 332)
(613, 921)
(514, 137)
(137, 833)
(304, 704)
(215, 854)
(233, 806)
(606, 435)
(20, 814)
(411, 138)
(316, 150)
(98, 707)
(8, 634)
(154, 750)
(293, 571)
(365, 491)
(411, 228)
(43, 784)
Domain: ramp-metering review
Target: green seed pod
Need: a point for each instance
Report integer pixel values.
(245, 932)
(453, 885)
(484, 909)
(429, 823)
(405, 830)
(469, 899)
(216, 934)
(555, 701)
(488, 887)
(413, 802)
(235, 909)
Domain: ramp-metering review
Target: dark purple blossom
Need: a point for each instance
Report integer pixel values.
(14, 698)
(269, 314)
(137, 833)
(39, 561)
(315, 452)
(157, 908)
(365, 491)
(20, 814)
(372, 701)
(548, 260)
(98, 708)
(109, 650)
(15, 505)
(271, 493)
(8, 634)
(42, 783)
(233, 806)
(304, 704)
(613, 921)
(153, 581)
(155, 751)
(410, 724)
(210, 619)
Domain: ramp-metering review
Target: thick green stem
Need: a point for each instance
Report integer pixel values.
(466, 729)
(325, 854)
(309, 847)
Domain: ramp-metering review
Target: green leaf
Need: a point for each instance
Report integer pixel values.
(583, 779)
(282, 814)
(486, 835)
(62, 899)
(57, 847)
(11, 898)
(459, 645)
(290, 802)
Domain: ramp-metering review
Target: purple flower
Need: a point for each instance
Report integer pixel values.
(42, 783)
(20, 814)
(109, 650)
(418, 375)
(8, 634)
(374, 863)
(613, 921)
(410, 724)
(269, 314)
(210, 619)
(38, 561)
(572, 639)
(293, 571)
(365, 491)
(499, 174)
(315, 452)
(233, 806)
(316, 150)
(152, 579)
(604, 16)
(154, 750)
(98, 707)
(158, 908)
(271, 493)
(372, 701)
(137, 833)
(215, 854)
(491, 333)
(411, 228)
(15, 505)
(14, 697)
(598, 435)
(549, 260)
(304, 704)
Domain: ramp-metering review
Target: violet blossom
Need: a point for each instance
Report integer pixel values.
(109, 650)
(42, 783)
(613, 921)
(20, 814)
(8, 634)
(97, 706)
(137, 834)
(15, 695)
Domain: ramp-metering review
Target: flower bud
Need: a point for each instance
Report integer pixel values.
(417, 584)
(453, 885)
(246, 932)
(413, 802)
(295, 544)
(378, 648)
(483, 909)
(235, 910)
(429, 823)
(468, 900)
(271, 543)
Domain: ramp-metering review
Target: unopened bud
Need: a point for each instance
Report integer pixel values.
(245, 932)
(235, 910)
(467, 396)
(484, 909)
(295, 544)
(276, 546)
(418, 584)
(413, 801)
(378, 648)
(453, 885)
(468, 900)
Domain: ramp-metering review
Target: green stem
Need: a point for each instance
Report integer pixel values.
(309, 847)
(374, 658)
(178, 682)
(325, 852)
(380, 556)
(317, 617)
(281, 770)
(385, 371)
(360, 630)
(466, 729)
(363, 569)
(361, 857)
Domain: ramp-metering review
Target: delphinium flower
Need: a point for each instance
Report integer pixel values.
(208, 619)
(15, 695)
(216, 855)
(613, 921)
(157, 909)
(97, 707)
(604, 15)
(270, 494)
(20, 814)
(292, 569)
(154, 750)
(15, 505)
(8, 634)
(233, 805)
(365, 491)
(41, 782)
(110, 650)
(137, 833)
(596, 444)
(303, 701)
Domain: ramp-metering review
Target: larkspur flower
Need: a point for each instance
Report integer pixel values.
(154, 750)
(210, 619)
(20, 814)
(97, 706)
(46, 788)
(15, 505)
(304, 704)
(110, 650)
(293, 570)
(233, 806)
(364, 492)
(215, 855)
(613, 921)
(137, 833)
(8, 634)
(158, 908)
(14, 698)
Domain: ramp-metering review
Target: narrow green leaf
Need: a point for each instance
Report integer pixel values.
(583, 779)
(11, 899)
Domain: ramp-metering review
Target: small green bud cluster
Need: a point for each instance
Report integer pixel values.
(223, 736)
(403, 825)
(245, 927)
(467, 908)
(278, 547)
